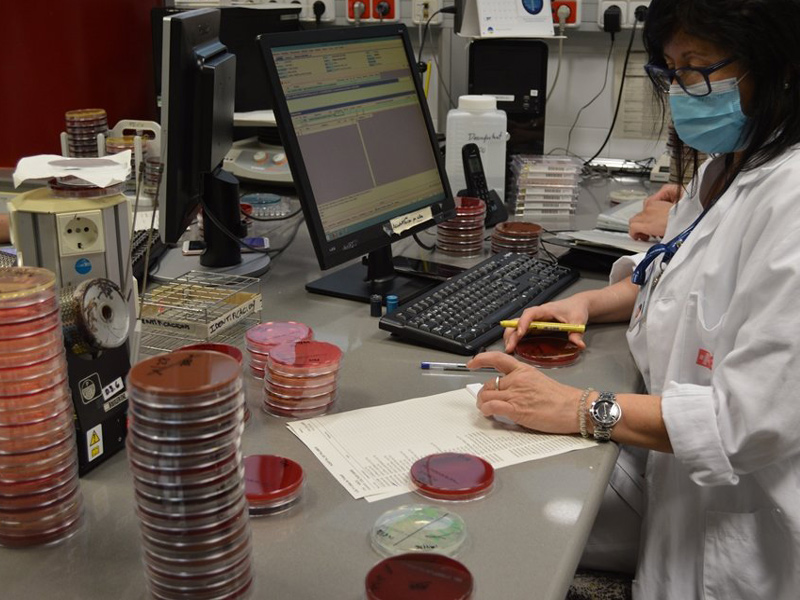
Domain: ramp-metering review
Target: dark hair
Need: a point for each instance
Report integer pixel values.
(765, 36)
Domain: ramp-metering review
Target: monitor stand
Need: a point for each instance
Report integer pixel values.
(359, 282)
(173, 263)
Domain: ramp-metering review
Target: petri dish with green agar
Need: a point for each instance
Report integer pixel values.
(418, 528)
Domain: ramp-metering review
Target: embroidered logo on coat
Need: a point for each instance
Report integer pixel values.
(705, 358)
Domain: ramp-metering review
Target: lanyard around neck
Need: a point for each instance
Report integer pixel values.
(668, 249)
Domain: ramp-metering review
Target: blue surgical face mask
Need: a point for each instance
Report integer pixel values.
(712, 124)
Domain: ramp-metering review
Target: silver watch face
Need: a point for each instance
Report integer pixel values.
(606, 412)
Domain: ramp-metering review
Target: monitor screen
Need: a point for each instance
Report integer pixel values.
(361, 146)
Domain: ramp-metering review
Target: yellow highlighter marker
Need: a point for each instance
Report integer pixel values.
(542, 326)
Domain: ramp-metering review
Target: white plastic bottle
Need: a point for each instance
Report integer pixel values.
(477, 120)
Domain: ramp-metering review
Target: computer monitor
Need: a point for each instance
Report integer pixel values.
(238, 28)
(362, 150)
(198, 83)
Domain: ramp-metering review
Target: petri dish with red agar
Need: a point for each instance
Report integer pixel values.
(419, 576)
(262, 338)
(273, 484)
(186, 417)
(547, 351)
(40, 499)
(452, 476)
(300, 379)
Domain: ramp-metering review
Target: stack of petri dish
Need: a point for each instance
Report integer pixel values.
(463, 234)
(516, 236)
(83, 125)
(301, 378)
(40, 498)
(262, 338)
(153, 169)
(185, 426)
(115, 145)
(228, 349)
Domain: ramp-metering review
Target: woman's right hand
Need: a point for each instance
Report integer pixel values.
(574, 309)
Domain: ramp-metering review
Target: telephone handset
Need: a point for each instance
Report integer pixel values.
(477, 186)
(473, 172)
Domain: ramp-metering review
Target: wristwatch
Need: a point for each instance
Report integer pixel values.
(605, 413)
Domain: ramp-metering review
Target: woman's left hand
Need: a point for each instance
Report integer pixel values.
(526, 396)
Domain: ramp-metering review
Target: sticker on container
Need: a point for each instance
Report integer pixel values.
(83, 266)
(90, 388)
(94, 442)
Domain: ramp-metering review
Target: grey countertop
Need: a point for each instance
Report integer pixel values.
(524, 538)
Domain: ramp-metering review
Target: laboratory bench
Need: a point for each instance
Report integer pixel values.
(525, 538)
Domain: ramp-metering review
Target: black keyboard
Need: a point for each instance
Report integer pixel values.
(139, 244)
(463, 314)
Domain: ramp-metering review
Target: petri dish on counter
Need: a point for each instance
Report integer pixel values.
(452, 476)
(419, 576)
(272, 483)
(418, 528)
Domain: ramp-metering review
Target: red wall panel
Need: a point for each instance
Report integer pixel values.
(57, 56)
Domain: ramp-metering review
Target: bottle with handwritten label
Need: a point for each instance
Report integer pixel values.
(477, 120)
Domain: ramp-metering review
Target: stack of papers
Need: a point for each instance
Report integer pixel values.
(616, 218)
(370, 451)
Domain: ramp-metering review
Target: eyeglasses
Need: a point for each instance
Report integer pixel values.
(693, 80)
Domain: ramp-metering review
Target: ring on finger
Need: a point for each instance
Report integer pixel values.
(497, 383)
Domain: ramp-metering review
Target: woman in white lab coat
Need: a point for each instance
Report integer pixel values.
(714, 319)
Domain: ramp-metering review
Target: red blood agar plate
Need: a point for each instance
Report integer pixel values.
(184, 374)
(419, 576)
(547, 351)
(271, 483)
(231, 351)
(265, 336)
(452, 476)
(306, 358)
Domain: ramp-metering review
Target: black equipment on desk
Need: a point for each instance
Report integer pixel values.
(146, 250)
(463, 314)
(477, 188)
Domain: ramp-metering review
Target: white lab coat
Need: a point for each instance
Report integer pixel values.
(721, 345)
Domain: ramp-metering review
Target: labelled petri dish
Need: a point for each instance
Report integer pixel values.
(547, 351)
(24, 286)
(228, 349)
(265, 336)
(419, 576)
(418, 528)
(272, 483)
(184, 374)
(453, 476)
(307, 358)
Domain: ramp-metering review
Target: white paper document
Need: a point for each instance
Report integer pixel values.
(370, 451)
(608, 239)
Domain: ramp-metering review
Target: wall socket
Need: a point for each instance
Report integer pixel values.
(574, 18)
(80, 232)
(604, 5)
(423, 9)
(365, 15)
(307, 14)
(633, 5)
